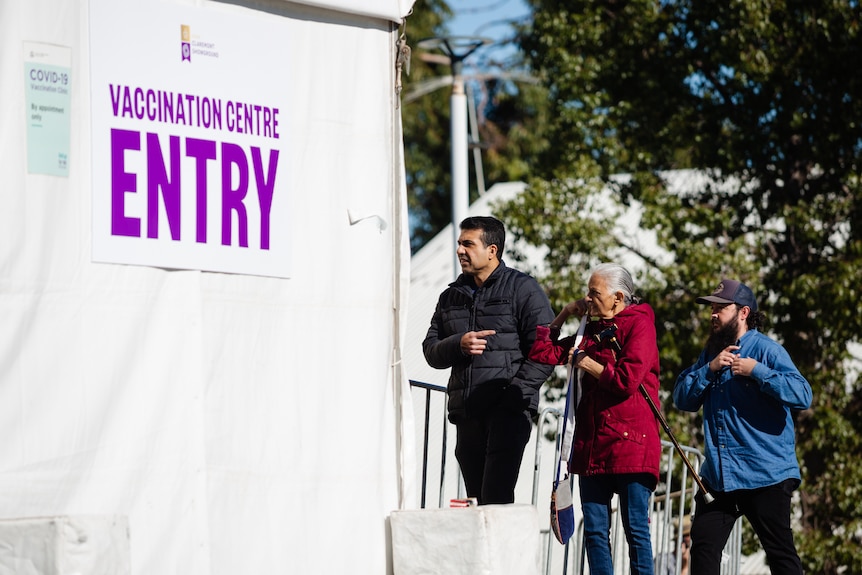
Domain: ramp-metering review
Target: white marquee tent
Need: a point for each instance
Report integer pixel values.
(203, 274)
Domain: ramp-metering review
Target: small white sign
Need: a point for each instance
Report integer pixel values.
(47, 89)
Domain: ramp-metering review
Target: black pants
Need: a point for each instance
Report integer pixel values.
(768, 511)
(489, 450)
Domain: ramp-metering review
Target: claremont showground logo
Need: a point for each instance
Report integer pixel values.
(191, 45)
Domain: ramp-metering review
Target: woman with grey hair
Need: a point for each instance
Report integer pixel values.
(616, 448)
(618, 279)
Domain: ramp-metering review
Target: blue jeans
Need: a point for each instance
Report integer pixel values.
(596, 494)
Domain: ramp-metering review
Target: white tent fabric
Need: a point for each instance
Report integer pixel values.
(243, 424)
(391, 9)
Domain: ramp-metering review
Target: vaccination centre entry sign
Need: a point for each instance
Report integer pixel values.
(190, 141)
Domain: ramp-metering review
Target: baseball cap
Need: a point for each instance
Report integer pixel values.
(731, 291)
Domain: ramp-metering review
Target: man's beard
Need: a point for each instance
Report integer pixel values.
(722, 337)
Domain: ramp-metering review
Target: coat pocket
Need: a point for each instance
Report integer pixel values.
(624, 430)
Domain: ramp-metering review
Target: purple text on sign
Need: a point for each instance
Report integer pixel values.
(164, 186)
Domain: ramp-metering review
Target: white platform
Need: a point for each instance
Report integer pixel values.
(485, 540)
(65, 545)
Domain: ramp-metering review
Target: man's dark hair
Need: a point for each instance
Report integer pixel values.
(493, 231)
(755, 319)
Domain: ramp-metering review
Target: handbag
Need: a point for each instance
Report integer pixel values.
(562, 511)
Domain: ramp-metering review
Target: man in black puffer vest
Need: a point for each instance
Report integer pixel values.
(483, 328)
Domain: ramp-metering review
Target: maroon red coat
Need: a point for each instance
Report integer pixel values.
(615, 429)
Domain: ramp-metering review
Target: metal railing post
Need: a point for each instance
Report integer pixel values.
(443, 459)
(425, 446)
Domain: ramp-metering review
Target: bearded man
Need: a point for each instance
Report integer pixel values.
(749, 390)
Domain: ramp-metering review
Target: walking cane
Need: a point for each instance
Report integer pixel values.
(707, 496)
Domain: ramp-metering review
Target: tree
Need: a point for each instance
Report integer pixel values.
(510, 111)
(756, 96)
(425, 127)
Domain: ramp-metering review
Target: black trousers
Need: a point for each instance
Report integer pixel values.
(768, 511)
(489, 449)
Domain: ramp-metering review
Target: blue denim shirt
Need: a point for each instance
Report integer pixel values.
(747, 421)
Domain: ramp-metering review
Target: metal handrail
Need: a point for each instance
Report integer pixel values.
(667, 507)
(429, 387)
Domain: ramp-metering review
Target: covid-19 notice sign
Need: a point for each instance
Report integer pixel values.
(47, 89)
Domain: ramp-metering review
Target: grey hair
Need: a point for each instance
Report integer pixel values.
(619, 279)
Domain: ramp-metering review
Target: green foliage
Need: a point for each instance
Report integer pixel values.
(510, 108)
(426, 128)
(759, 99)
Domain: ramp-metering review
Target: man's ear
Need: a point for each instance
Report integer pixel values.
(492, 251)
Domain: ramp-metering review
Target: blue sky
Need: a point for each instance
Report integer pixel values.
(486, 18)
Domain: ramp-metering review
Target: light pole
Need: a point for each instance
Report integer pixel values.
(457, 48)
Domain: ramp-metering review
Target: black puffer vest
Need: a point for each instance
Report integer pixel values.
(510, 303)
